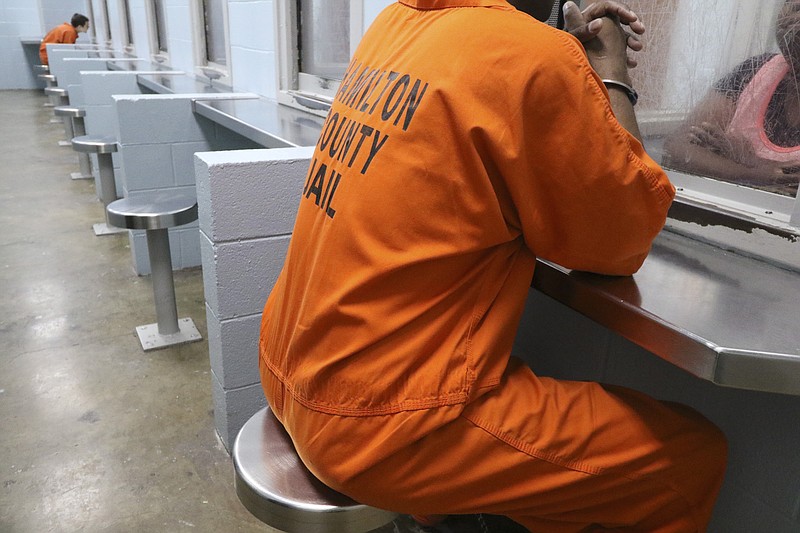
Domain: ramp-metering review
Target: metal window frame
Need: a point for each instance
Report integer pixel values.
(212, 70)
(302, 90)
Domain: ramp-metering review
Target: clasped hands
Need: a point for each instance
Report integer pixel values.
(586, 25)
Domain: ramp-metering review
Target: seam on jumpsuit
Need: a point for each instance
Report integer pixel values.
(571, 464)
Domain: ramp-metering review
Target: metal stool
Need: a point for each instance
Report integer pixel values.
(103, 147)
(75, 127)
(274, 485)
(50, 81)
(60, 97)
(155, 212)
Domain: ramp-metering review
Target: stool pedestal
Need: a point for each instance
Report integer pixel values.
(49, 81)
(74, 116)
(103, 147)
(155, 212)
(60, 97)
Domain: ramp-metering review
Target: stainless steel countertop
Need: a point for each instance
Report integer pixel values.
(723, 317)
(177, 83)
(138, 65)
(263, 121)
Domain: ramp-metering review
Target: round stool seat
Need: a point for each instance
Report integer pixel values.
(94, 145)
(42, 68)
(153, 210)
(274, 485)
(56, 91)
(47, 77)
(69, 111)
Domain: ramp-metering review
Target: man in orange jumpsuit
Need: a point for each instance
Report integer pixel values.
(66, 33)
(466, 139)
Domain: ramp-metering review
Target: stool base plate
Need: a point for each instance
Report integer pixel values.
(56, 121)
(102, 228)
(79, 176)
(64, 143)
(151, 339)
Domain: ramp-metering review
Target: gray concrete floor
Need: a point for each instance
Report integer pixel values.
(97, 435)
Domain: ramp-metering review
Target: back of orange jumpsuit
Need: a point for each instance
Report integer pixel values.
(466, 139)
(62, 34)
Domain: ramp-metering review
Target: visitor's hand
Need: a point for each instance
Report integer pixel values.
(586, 25)
(714, 139)
(738, 149)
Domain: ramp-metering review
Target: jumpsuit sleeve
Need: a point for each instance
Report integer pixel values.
(587, 195)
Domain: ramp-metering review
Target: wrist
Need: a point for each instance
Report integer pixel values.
(630, 92)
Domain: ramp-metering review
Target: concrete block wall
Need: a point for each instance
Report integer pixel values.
(761, 492)
(55, 12)
(253, 46)
(18, 19)
(162, 158)
(139, 28)
(180, 31)
(247, 204)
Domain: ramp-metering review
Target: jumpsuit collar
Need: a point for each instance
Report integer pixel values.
(443, 4)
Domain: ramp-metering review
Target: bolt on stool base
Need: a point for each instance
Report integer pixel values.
(151, 339)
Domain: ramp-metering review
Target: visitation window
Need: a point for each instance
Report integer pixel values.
(158, 29)
(126, 25)
(212, 53)
(106, 21)
(92, 28)
(316, 40)
(720, 110)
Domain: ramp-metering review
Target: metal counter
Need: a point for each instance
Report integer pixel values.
(176, 82)
(723, 317)
(263, 121)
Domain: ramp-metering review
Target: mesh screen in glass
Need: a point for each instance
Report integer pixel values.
(719, 89)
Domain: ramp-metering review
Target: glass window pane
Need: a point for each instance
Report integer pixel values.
(324, 37)
(720, 97)
(106, 22)
(160, 21)
(215, 31)
(127, 14)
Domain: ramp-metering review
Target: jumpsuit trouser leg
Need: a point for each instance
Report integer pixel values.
(555, 456)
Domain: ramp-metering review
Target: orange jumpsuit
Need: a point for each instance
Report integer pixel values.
(63, 34)
(465, 140)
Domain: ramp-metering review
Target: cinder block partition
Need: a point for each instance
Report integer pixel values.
(247, 204)
(56, 54)
(71, 79)
(158, 135)
(101, 117)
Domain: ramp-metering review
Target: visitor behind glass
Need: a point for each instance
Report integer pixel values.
(747, 128)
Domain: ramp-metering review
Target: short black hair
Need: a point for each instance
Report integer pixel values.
(78, 20)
